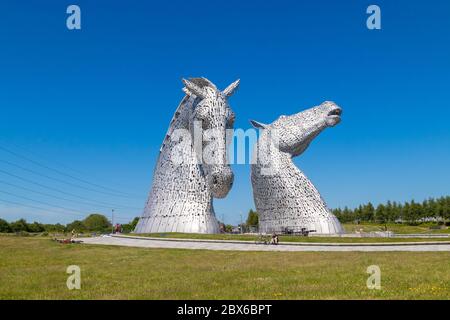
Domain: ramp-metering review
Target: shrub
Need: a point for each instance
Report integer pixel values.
(19, 225)
(4, 226)
(77, 225)
(129, 227)
(97, 222)
(36, 227)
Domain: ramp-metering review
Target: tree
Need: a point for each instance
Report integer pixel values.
(381, 214)
(4, 226)
(389, 211)
(358, 213)
(347, 215)
(368, 212)
(252, 219)
(134, 223)
(58, 227)
(76, 225)
(19, 225)
(129, 227)
(425, 209)
(97, 222)
(398, 212)
(410, 212)
(445, 211)
(36, 227)
(406, 212)
(415, 212)
(432, 208)
(338, 213)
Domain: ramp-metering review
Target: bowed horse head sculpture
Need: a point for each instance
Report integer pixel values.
(181, 197)
(214, 115)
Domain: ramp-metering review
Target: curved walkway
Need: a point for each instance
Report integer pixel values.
(250, 246)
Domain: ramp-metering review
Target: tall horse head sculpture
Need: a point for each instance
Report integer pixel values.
(192, 167)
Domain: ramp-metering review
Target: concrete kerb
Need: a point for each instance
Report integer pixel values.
(331, 244)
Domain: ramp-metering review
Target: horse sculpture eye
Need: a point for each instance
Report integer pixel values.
(205, 123)
(202, 114)
(203, 111)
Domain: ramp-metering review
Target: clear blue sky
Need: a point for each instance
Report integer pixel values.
(99, 100)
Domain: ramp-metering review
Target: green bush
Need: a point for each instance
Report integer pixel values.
(54, 227)
(4, 226)
(97, 222)
(19, 226)
(36, 227)
(77, 225)
(129, 227)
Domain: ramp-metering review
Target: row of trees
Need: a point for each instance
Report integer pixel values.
(92, 223)
(408, 212)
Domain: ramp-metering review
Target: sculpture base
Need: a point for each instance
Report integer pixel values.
(163, 225)
(329, 225)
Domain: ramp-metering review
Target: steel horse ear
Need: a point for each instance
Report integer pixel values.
(184, 180)
(285, 198)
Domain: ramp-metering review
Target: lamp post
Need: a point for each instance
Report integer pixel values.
(242, 231)
(112, 221)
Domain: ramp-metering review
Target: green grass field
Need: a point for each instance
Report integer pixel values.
(394, 227)
(35, 268)
(248, 237)
(399, 229)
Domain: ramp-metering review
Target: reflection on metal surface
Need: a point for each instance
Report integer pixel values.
(284, 197)
(184, 184)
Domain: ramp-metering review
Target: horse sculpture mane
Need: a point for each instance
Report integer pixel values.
(284, 197)
(181, 197)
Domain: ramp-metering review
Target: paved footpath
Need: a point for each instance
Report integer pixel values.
(250, 246)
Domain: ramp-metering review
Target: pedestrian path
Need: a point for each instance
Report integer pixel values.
(251, 246)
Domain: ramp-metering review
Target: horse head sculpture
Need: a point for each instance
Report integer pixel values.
(284, 197)
(192, 167)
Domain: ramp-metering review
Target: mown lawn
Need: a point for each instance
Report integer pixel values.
(248, 237)
(35, 268)
(399, 229)
(394, 227)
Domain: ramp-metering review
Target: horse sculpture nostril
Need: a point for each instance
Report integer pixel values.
(228, 178)
(222, 181)
(335, 112)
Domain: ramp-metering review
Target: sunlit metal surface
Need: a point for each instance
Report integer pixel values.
(181, 196)
(284, 197)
